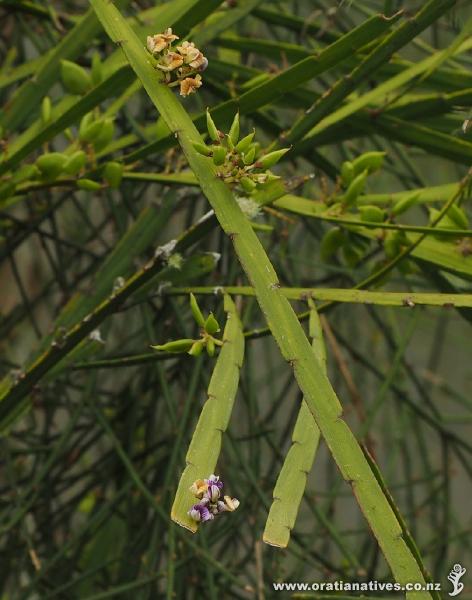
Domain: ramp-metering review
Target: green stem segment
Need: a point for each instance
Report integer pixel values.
(286, 329)
(291, 482)
(205, 446)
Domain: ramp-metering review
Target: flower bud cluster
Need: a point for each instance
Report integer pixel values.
(240, 162)
(208, 327)
(211, 502)
(181, 64)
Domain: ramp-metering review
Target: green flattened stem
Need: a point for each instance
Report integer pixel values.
(291, 482)
(281, 318)
(205, 446)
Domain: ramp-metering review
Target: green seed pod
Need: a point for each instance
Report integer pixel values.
(176, 346)
(219, 155)
(51, 164)
(113, 173)
(211, 325)
(197, 348)
(202, 149)
(210, 346)
(90, 129)
(26, 173)
(243, 145)
(370, 161)
(457, 214)
(212, 129)
(247, 184)
(392, 245)
(373, 214)
(404, 204)
(85, 122)
(347, 173)
(105, 136)
(355, 188)
(69, 135)
(7, 190)
(88, 184)
(75, 162)
(76, 80)
(46, 107)
(250, 156)
(196, 312)
(233, 134)
(271, 159)
(446, 221)
(331, 242)
(97, 70)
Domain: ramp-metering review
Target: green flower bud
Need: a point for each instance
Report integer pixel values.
(457, 214)
(243, 146)
(219, 155)
(211, 325)
(370, 161)
(347, 173)
(210, 346)
(46, 109)
(355, 188)
(113, 173)
(196, 312)
(212, 129)
(75, 162)
(97, 70)
(202, 149)
(250, 155)
(404, 204)
(197, 348)
(76, 80)
(89, 129)
(247, 184)
(230, 144)
(446, 221)
(88, 184)
(51, 164)
(233, 134)
(392, 245)
(105, 136)
(331, 242)
(373, 214)
(176, 346)
(271, 159)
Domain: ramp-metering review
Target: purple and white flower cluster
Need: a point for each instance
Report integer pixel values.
(211, 502)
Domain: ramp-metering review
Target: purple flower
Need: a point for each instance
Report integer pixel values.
(213, 493)
(199, 512)
(210, 504)
(214, 480)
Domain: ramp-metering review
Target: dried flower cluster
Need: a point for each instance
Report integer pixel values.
(181, 64)
(208, 492)
(240, 162)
